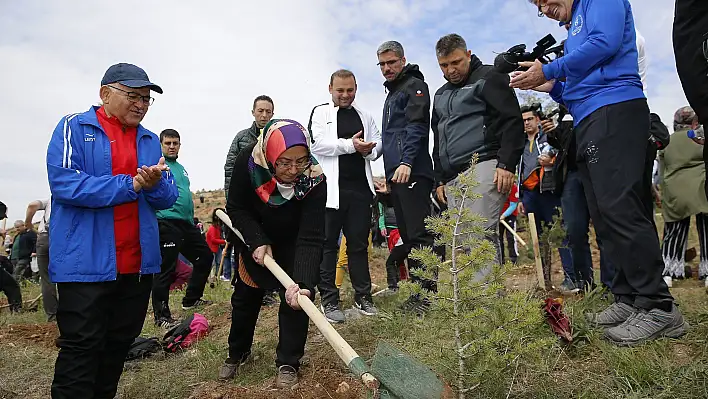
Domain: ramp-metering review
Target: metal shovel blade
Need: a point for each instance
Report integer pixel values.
(403, 377)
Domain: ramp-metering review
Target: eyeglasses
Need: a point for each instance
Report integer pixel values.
(389, 63)
(172, 144)
(300, 164)
(134, 97)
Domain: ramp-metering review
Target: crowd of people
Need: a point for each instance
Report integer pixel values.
(122, 212)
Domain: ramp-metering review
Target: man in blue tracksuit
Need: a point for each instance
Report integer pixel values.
(107, 179)
(598, 81)
(409, 168)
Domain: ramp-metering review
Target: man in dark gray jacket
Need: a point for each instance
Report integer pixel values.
(475, 113)
(262, 113)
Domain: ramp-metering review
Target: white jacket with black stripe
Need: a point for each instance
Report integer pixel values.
(327, 146)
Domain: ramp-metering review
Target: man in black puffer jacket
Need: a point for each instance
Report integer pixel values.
(475, 113)
(409, 170)
(262, 113)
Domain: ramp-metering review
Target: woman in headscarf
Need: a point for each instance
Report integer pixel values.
(277, 202)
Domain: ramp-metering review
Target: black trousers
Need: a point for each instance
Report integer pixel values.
(292, 326)
(97, 323)
(11, 288)
(395, 258)
(510, 239)
(612, 146)
(411, 203)
(690, 38)
(353, 218)
(180, 236)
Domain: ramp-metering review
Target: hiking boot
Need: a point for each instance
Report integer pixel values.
(647, 325)
(332, 313)
(270, 299)
(614, 315)
(229, 369)
(287, 377)
(166, 322)
(568, 287)
(197, 303)
(365, 307)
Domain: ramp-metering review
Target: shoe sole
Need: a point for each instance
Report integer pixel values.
(328, 319)
(194, 306)
(672, 333)
(362, 311)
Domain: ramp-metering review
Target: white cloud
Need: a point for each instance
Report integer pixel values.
(213, 58)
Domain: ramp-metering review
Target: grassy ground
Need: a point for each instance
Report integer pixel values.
(590, 368)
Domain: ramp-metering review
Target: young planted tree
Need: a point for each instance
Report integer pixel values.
(486, 330)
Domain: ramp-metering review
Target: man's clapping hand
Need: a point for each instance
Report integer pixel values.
(361, 146)
(149, 176)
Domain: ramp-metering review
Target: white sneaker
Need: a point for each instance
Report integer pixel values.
(667, 280)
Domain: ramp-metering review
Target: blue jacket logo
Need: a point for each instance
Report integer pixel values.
(89, 137)
(577, 25)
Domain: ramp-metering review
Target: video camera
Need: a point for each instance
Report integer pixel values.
(538, 108)
(508, 61)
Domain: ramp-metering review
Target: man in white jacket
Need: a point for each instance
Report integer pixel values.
(345, 142)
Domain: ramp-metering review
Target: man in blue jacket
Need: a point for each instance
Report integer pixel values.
(409, 168)
(598, 80)
(105, 242)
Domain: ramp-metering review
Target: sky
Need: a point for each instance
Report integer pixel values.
(213, 58)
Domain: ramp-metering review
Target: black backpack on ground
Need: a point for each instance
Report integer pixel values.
(142, 348)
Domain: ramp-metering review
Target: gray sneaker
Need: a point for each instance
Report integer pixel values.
(332, 313)
(614, 315)
(644, 326)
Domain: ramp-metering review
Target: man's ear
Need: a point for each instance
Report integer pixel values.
(105, 94)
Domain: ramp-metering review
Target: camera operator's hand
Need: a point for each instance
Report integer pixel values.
(547, 125)
(531, 78)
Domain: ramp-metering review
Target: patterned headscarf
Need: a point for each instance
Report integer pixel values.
(278, 136)
(684, 118)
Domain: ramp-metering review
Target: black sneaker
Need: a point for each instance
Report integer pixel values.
(365, 307)
(166, 322)
(197, 303)
(417, 305)
(410, 303)
(270, 299)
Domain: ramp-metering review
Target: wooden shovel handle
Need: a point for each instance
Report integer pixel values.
(518, 237)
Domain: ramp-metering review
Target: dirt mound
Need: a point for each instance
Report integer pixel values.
(39, 334)
(322, 380)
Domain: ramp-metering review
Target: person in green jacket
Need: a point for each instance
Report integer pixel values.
(682, 178)
(178, 234)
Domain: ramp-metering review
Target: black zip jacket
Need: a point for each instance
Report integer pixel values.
(479, 116)
(406, 124)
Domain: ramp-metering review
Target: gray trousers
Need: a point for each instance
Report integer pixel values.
(489, 206)
(20, 268)
(49, 290)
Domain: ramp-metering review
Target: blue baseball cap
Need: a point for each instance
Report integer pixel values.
(129, 75)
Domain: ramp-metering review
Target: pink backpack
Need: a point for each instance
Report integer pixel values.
(189, 331)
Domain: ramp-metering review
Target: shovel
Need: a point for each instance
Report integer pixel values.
(395, 375)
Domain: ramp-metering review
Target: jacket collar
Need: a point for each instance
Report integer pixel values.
(89, 118)
(254, 130)
(332, 106)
